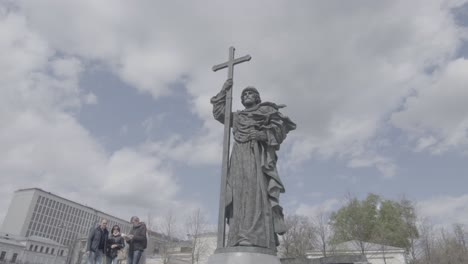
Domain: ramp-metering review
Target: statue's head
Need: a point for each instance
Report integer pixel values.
(250, 97)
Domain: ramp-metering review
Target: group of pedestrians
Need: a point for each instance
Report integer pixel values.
(104, 246)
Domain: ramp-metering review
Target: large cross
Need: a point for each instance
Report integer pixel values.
(227, 137)
(231, 62)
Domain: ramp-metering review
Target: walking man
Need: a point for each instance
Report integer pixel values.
(136, 240)
(97, 241)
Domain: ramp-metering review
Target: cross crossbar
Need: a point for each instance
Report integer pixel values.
(231, 62)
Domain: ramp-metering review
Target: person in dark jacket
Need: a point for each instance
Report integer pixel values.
(97, 243)
(136, 240)
(114, 244)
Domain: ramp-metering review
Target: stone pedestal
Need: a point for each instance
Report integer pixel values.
(242, 255)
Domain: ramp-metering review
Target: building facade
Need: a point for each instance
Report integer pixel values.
(11, 251)
(32, 250)
(37, 213)
(374, 253)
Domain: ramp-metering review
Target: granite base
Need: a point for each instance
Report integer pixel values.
(242, 258)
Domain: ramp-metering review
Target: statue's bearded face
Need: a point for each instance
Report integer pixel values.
(250, 98)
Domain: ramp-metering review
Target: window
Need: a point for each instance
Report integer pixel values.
(52, 251)
(47, 250)
(13, 259)
(35, 248)
(42, 248)
(30, 247)
(2, 255)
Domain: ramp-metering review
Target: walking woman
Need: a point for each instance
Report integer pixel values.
(114, 244)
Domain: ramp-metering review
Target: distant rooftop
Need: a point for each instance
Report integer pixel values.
(354, 245)
(15, 239)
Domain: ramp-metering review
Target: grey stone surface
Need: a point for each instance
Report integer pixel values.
(242, 258)
(259, 250)
(336, 259)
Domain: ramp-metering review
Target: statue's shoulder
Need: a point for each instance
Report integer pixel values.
(270, 107)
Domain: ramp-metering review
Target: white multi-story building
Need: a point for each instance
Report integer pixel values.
(37, 213)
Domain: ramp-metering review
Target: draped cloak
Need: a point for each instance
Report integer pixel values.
(253, 184)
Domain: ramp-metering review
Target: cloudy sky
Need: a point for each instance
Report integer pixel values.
(107, 102)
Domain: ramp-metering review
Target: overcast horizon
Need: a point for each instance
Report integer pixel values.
(107, 103)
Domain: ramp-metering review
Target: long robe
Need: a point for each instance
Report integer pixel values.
(253, 185)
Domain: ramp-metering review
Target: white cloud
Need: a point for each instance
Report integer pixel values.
(445, 209)
(350, 63)
(153, 123)
(199, 150)
(66, 68)
(437, 116)
(90, 98)
(342, 69)
(386, 166)
(326, 207)
(44, 146)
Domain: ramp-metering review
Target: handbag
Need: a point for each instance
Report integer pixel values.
(121, 254)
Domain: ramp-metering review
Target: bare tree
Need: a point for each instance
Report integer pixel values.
(323, 231)
(149, 222)
(167, 244)
(427, 240)
(440, 245)
(300, 237)
(196, 226)
(460, 235)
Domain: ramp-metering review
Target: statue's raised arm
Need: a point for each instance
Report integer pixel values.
(219, 101)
